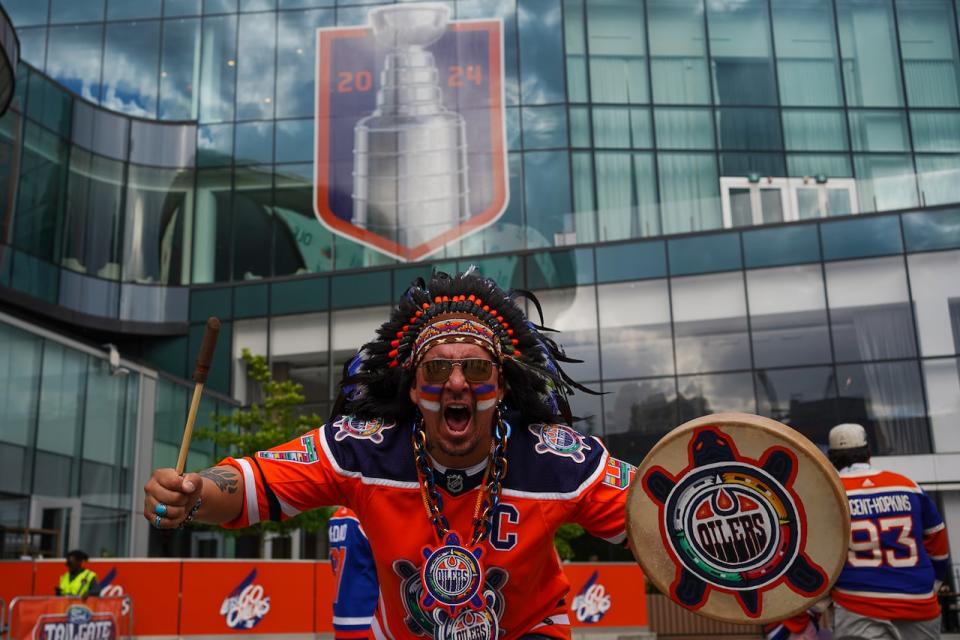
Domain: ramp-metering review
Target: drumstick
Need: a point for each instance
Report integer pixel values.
(204, 358)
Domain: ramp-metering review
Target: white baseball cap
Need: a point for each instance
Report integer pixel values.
(848, 435)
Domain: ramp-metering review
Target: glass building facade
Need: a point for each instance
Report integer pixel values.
(749, 205)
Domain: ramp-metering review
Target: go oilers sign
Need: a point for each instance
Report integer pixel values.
(410, 138)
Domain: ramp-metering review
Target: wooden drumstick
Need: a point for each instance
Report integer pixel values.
(204, 358)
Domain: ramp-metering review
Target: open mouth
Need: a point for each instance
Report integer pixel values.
(457, 417)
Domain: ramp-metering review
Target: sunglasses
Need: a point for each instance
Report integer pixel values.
(474, 370)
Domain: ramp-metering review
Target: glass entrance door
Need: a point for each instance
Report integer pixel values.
(56, 525)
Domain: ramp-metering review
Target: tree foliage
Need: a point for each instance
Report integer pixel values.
(564, 535)
(262, 425)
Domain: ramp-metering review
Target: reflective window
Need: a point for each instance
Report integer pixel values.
(20, 354)
(253, 223)
(105, 414)
(678, 56)
(127, 10)
(61, 407)
(618, 70)
(351, 328)
(294, 140)
(635, 325)
(157, 205)
(546, 195)
(584, 203)
(573, 312)
(73, 58)
(832, 165)
(218, 68)
(942, 381)
(215, 145)
(63, 11)
(689, 192)
(749, 129)
(182, 7)
(626, 196)
(254, 143)
(541, 51)
(133, 50)
(939, 179)
(33, 47)
(576, 50)
(788, 316)
(684, 128)
(887, 399)
(637, 414)
(544, 127)
(716, 393)
(936, 299)
(935, 130)
(804, 398)
(219, 6)
(589, 408)
(298, 350)
(885, 182)
(740, 52)
(879, 131)
(871, 69)
(92, 233)
(710, 323)
(302, 243)
(41, 193)
(870, 323)
(928, 45)
(257, 5)
(296, 50)
(814, 130)
(181, 48)
(624, 128)
(257, 58)
(24, 13)
(807, 68)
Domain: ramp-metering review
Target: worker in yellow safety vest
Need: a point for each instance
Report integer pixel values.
(78, 582)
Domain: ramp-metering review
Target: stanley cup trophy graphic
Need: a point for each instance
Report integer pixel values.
(410, 154)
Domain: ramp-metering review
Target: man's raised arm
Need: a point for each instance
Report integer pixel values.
(219, 490)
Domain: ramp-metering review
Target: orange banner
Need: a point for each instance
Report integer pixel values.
(52, 618)
(247, 597)
(606, 595)
(191, 597)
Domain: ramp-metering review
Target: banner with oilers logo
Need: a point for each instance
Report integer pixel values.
(410, 129)
(227, 597)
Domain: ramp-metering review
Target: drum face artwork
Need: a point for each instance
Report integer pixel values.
(739, 518)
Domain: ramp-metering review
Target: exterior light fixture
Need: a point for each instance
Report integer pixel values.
(821, 178)
(753, 178)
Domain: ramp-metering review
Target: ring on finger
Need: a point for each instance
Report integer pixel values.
(157, 521)
(160, 509)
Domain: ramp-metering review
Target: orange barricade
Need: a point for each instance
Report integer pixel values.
(53, 618)
(606, 595)
(232, 596)
(226, 597)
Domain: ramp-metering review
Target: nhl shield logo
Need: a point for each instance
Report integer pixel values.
(410, 134)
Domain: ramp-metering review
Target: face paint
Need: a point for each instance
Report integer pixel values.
(486, 395)
(430, 397)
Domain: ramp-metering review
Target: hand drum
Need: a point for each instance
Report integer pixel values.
(739, 518)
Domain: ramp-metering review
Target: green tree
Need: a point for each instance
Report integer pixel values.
(564, 535)
(262, 425)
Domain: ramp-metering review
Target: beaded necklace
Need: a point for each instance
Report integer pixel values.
(452, 574)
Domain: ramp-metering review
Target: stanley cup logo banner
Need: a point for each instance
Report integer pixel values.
(410, 137)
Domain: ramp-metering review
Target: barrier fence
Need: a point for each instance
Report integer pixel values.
(222, 597)
(55, 618)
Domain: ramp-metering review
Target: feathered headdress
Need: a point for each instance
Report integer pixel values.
(376, 382)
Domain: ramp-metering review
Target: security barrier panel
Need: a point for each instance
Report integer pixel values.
(225, 597)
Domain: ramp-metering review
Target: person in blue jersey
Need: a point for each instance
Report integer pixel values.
(355, 576)
(898, 555)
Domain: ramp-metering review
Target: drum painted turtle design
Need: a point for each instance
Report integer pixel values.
(733, 524)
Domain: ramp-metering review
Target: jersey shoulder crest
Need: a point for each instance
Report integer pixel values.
(552, 459)
(371, 448)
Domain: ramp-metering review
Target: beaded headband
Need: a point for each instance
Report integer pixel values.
(453, 330)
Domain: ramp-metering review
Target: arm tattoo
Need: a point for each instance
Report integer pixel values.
(224, 478)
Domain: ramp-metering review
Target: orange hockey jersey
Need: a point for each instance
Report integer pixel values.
(555, 475)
